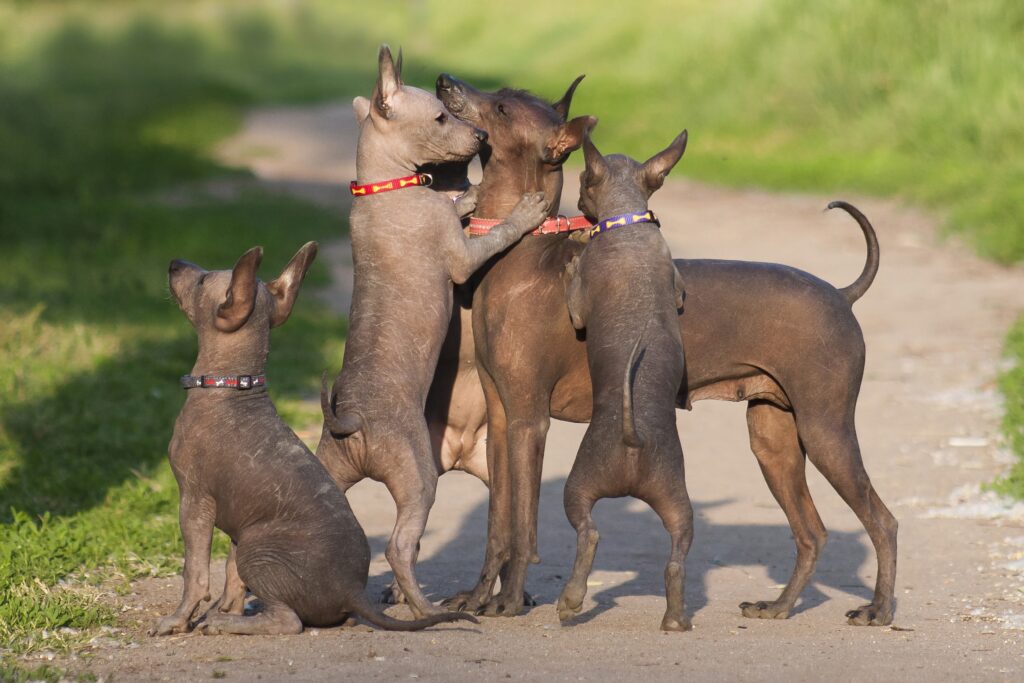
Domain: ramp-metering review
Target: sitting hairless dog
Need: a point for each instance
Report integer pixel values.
(295, 542)
(626, 292)
(408, 249)
(779, 338)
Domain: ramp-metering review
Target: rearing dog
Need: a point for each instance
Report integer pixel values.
(626, 292)
(408, 248)
(776, 337)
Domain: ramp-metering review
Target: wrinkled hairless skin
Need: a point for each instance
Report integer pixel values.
(408, 249)
(294, 540)
(781, 339)
(626, 293)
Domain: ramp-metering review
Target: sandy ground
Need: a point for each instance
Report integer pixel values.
(928, 420)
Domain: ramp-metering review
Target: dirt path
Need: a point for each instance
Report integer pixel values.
(928, 419)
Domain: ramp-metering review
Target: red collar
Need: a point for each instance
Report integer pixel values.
(551, 226)
(418, 179)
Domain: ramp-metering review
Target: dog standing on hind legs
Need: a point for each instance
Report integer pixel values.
(408, 248)
(624, 286)
(239, 467)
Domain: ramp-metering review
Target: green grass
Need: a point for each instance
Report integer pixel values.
(106, 105)
(1012, 385)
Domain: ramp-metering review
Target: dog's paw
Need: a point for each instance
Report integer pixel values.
(530, 212)
(393, 595)
(676, 624)
(170, 625)
(764, 610)
(461, 602)
(503, 605)
(567, 610)
(869, 615)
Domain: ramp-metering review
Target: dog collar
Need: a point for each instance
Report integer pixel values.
(551, 226)
(240, 382)
(624, 220)
(416, 180)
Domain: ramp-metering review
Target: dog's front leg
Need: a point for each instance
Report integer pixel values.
(466, 203)
(196, 517)
(465, 256)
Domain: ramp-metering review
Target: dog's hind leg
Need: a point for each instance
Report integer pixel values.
(579, 498)
(830, 438)
(773, 439)
(413, 487)
(665, 492)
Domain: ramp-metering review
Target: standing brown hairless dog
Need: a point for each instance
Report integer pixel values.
(408, 248)
(626, 292)
(777, 337)
(295, 541)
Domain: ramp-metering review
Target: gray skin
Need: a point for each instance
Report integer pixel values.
(239, 467)
(408, 249)
(625, 291)
(779, 338)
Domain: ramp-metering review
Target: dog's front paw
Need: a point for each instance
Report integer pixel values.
(869, 615)
(504, 605)
(764, 610)
(530, 212)
(170, 625)
(466, 204)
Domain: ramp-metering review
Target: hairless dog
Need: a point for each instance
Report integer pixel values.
(295, 542)
(779, 338)
(408, 249)
(626, 292)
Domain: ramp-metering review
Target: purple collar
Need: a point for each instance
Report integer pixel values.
(624, 220)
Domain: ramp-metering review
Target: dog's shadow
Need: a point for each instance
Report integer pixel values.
(635, 544)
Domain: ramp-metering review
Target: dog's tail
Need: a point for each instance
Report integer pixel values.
(867, 276)
(630, 435)
(362, 607)
(342, 425)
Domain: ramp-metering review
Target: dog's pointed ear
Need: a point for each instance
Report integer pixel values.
(388, 83)
(241, 295)
(562, 105)
(361, 107)
(596, 167)
(567, 139)
(398, 66)
(285, 288)
(574, 294)
(658, 166)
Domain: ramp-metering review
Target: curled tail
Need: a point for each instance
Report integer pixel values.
(867, 276)
(362, 607)
(630, 435)
(342, 425)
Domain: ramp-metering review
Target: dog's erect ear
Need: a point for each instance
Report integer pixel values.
(285, 287)
(596, 166)
(658, 166)
(398, 66)
(361, 106)
(568, 139)
(680, 287)
(562, 105)
(241, 296)
(388, 83)
(574, 294)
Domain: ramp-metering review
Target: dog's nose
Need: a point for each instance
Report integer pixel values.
(480, 135)
(177, 265)
(444, 82)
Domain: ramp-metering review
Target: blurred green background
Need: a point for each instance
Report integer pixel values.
(109, 108)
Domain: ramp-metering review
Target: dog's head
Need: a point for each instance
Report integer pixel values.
(415, 123)
(219, 303)
(617, 180)
(520, 126)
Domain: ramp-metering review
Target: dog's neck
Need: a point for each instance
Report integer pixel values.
(241, 353)
(378, 158)
(620, 202)
(504, 183)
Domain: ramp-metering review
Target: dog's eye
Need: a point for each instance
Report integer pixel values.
(441, 118)
(202, 279)
(501, 110)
